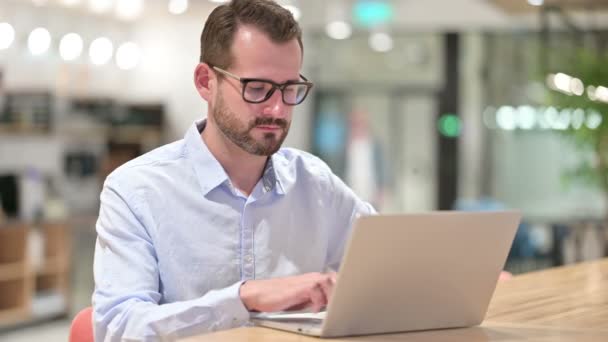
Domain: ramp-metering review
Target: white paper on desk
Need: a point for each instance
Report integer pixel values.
(286, 315)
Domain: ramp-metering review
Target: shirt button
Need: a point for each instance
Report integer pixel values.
(248, 258)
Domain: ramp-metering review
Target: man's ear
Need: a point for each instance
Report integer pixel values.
(205, 81)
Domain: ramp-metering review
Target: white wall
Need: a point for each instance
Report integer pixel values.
(170, 46)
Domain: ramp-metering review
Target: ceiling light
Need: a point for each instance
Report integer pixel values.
(294, 11)
(100, 6)
(489, 117)
(338, 30)
(7, 35)
(39, 41)
(566, 84)
(577, 87)
(550, 118)
(101, 51)
(562, 82)
(381, 42)
(70, 3)
(505, 118)
(591, 93)
(564, 120)
(601, 93)
(594, 120)
(536, 2)
(129, 9)
(178, 6)
(70, 46)
(578, 118)
(525, 117)
(128, 56)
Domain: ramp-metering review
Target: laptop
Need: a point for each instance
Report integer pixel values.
(411, 272)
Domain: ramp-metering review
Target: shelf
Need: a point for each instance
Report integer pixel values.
(15, 294)
(12, 271)
(28, 295)
(48, 304)
(13, 129)
(135, 134)
(53, 266)
(12, 243)
(13, 316)
(54, 282)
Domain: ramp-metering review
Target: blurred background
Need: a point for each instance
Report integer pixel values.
(417, 105)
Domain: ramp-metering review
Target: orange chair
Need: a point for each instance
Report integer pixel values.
(82, 326)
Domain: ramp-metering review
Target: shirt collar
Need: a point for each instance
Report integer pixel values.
(210, 172)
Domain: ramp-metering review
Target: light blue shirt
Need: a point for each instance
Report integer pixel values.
(176, 240)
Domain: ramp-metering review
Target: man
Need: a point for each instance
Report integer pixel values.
(195, 234)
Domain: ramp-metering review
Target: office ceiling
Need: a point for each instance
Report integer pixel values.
(523, 6)
(413, 15)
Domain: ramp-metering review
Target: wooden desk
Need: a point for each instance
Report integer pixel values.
(560, 304)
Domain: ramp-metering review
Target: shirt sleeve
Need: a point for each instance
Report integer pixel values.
(126, 299)
(347, 207)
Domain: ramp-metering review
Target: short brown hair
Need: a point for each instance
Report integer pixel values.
(266, 15)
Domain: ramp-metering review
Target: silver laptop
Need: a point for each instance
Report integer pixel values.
(411, 272)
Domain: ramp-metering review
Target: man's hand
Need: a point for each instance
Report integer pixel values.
(504, 275)
(307, 291)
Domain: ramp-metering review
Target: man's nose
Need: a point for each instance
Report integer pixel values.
(275, 106)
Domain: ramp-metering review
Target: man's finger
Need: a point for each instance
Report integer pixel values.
(327, 286)
(300, 307)
(334, 277)
(317, 298)
(290, 296)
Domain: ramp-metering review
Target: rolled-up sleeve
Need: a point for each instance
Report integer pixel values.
(126, 300)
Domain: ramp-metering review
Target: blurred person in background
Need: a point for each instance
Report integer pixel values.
(366, 170)
(195, 234)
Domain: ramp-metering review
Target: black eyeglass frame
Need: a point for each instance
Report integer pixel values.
(275, 86)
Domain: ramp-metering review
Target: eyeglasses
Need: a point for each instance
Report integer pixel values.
(257, 90)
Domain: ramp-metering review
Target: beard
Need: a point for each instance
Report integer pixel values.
(240, 133)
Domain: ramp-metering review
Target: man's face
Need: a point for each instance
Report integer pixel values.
(259, 128)
(244, 132)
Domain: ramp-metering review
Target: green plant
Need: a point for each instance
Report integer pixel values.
(592, 69)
